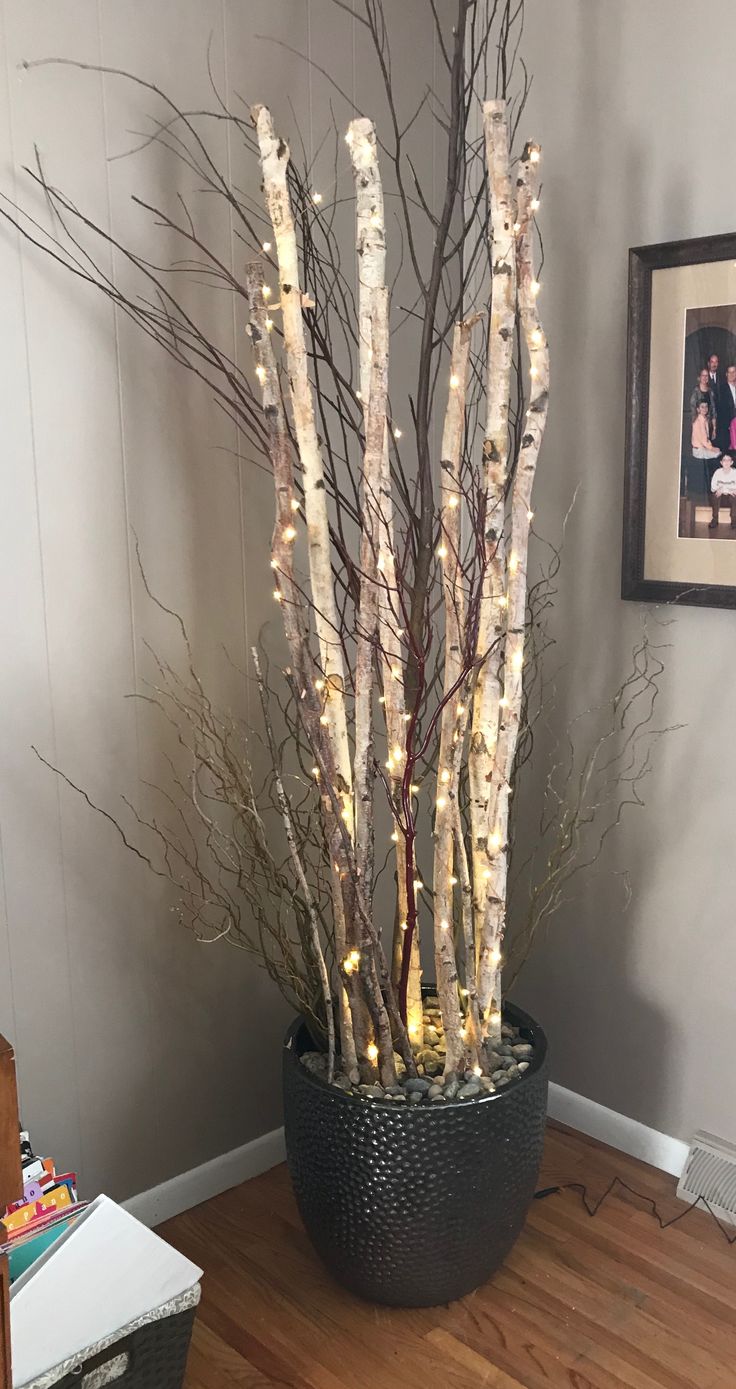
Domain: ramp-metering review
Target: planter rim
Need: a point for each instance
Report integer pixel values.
(510, 1012)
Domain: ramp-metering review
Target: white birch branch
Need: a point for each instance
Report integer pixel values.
(521, 517)
(295, 618)
(371, 251)
(462, 1042)
(487, 696)
(274, 162)
(286, 815)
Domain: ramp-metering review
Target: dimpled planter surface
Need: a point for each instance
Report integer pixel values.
(414, 1206)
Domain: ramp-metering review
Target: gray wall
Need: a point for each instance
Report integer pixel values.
(140, 1052)
(639, 1004)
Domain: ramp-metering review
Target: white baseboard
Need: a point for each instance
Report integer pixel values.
(628, 1135)
(201, 1183)
(191, 1188)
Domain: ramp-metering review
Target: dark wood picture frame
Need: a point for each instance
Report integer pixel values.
(643, 260)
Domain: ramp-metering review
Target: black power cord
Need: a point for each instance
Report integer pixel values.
(593, 1207)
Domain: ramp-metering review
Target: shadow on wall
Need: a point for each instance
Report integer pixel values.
(609, 1039)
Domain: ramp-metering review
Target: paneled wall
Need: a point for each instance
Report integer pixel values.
(141, 1053)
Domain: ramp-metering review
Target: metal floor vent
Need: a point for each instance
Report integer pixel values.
(710, 1172)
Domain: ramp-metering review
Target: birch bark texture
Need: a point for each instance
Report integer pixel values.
(521, 519)
(371, 257)
(487, 702)
(274, 154)
(294, 610)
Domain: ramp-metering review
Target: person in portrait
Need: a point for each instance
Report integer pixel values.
(701, 446)
(723, 488)
(704, 393)
(727, 411)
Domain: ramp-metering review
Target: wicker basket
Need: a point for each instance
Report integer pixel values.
(148, 1354)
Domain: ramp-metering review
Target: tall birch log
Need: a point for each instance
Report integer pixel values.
(462, 1041)
(366, 639)
(371, 250)
(491, 624)
(274, 154)
(295, 619)
(521, 517)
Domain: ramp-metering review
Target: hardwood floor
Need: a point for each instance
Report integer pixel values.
(580, 1304)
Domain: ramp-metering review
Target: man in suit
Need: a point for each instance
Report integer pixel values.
(726, 408)
(716, 384)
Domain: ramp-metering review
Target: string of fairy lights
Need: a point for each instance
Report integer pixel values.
(397, 754)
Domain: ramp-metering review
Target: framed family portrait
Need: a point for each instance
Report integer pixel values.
(679, 543)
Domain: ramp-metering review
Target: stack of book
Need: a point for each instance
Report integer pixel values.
(47, 1208)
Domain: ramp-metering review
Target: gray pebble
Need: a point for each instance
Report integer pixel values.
(372, 1092)
(502, 1080)
(507, 1030)
(498, 1075)
(417, 1087)
(512, 1072)
(415, 1097)
(434, 1090)
(451, 1088)
(466, 1092)
(523, 1050)
(434, 1099)
(397, 1099)
(394, 1090)
(486, 1083)
(342, 1083)
(315, 1062)
(523, 1065)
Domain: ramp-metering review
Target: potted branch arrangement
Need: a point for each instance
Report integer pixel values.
(417, 1102)
(414, 1113)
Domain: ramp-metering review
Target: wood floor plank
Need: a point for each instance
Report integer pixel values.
(213, 1363)
(485, 1374)
(609, 1302)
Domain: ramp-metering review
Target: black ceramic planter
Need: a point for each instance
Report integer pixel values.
(414, 1206)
